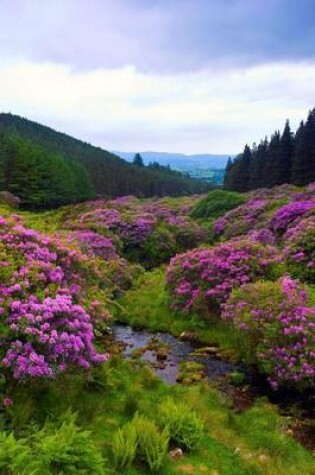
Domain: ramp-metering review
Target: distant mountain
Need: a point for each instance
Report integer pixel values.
(181, 161)
(37, 162)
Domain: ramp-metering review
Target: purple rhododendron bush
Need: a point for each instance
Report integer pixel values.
(207, 276)
(276, 326)
(71, 402)
(45, 324)
(275, 210)
(252, 278)
(148, 232)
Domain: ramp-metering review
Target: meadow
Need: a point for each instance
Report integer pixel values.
(232, 270)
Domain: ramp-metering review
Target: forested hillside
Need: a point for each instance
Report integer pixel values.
(286, 158)
(48, 168)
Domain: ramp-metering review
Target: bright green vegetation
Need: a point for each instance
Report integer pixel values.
(40, 178)
(147, 305)
(119, 418)
(217, 203)
(119, 402)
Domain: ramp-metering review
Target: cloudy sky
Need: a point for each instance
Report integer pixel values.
(192, 76)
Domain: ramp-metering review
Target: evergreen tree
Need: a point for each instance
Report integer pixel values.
(238, 176)
(229, 166)
(303, 161)
(272, 162)
(138, 160)
(109, 174)
(283, 170)
(258, 166)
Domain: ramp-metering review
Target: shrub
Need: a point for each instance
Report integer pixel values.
(184, 426)
(289, 214)
(207, 276)
(276, 325)
(52, 450)
(152, 444)
(217, 203)
(44, 330)
(242, 219)
(14, 454)
(124, 446)
(140, 439)
(299, 250)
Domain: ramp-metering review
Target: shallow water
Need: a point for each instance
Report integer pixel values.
(299, 408)
(179, 352)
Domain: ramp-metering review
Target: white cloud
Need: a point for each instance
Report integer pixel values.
(207, 111)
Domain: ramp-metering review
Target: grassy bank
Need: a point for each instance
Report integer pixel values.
(147, 305)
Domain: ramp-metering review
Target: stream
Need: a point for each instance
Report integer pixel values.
(167, 355)
(178, 352)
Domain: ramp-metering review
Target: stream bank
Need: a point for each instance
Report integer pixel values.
(180, 361)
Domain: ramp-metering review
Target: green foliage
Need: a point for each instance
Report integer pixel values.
(38, 177)
(51, 160)
(184, 425)
(63, 450)
(284, 159)
(124, 446)
(152, 444)
(140, 439)
(157, 249)
(217, 203)
(14, 455)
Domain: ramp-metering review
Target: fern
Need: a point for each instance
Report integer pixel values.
(124, 446)
(184, 425)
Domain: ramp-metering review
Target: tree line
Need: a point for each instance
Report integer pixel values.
(286, 158)
(46, 168)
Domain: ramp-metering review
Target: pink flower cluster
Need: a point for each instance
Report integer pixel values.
(43, 329)
(133, 222)
(241, 219)
(209, 275)
(96, 245)
(46, 337)
(299, 249)
(289, 214)
(279, 329)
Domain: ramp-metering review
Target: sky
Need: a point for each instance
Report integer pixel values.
(190, 76)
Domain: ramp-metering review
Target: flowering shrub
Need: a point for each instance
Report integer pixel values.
(241, 219)
(288, 214)
(149, 232)
(264, 236)
(209, 275)
(299, 250)
(44, 338)
(43, 329)
(94, 244)
(276, 325)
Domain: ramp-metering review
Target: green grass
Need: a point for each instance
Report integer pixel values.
(252, 443)
(147, 305)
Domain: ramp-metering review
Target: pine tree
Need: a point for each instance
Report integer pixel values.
(237, 178)
(258, 165)
(303, 161)
(272, 162)
(138, 160)
(283, 171)
(228, 168)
